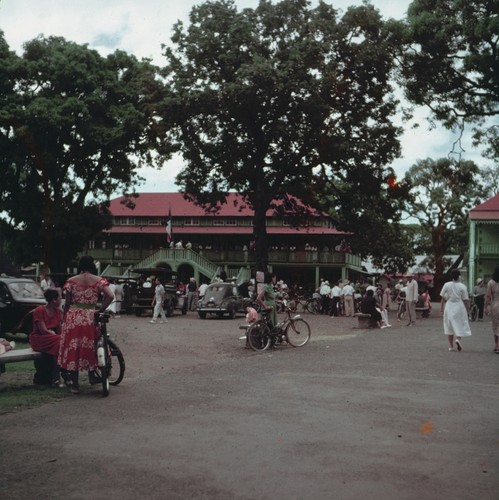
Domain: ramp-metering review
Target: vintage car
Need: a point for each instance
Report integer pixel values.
(222, 299)
(139, 292)
(18, 297)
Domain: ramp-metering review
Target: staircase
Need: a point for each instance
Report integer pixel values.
(175, 257)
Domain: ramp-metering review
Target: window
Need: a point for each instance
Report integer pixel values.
(191, 221)
(218, 221)
(153, 221)
(125, 221)
(230, 221)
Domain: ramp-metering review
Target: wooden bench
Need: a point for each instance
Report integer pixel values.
(363, 320)
(18, 355)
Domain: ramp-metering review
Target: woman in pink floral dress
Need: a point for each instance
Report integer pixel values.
(79, 336)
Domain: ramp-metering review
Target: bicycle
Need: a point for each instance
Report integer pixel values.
(473, 308)
(401, 310)
(110, 360)
(293, 329)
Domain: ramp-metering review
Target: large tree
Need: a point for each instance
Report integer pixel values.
(282, 102)
(75, 126)
(452, 65)
(443, 192)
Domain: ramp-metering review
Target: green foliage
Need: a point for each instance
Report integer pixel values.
(452, 65)
(75, 127)
(281, 101)
(443, 192)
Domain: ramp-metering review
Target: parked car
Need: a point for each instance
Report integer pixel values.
(221, 299)
(140, 293)
(18, 297)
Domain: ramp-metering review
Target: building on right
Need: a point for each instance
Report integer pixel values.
(483, 240)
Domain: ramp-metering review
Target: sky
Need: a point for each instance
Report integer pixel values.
(140, 27)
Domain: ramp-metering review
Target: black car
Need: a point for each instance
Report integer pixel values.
(221, 299)
(141, 291)
(18, 297)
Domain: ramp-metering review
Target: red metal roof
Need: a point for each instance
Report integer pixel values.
(161, 204)
(488, 210)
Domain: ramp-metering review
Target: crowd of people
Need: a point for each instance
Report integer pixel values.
(69, 334)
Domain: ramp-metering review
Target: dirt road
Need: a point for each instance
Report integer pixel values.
(386, 414)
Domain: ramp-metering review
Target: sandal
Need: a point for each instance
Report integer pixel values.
(458, 344)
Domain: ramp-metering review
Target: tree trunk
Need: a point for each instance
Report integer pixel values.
(260, 236)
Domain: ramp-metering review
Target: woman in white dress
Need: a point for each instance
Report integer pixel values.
(455, 306)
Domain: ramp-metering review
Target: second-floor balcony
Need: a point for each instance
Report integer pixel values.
(129, 256)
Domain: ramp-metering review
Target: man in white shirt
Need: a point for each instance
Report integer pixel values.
(325, 291)
(47, 283)
(202, 290)
(347, 293)
(411, 299)
(336, 297)
(157, 303)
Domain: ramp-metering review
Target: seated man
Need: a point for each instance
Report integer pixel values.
(368, 306)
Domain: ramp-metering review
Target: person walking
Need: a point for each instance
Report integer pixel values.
(157, 302)
(77, 351)
(411, 299)
(455, 307)
(479, 295)
(492, 306)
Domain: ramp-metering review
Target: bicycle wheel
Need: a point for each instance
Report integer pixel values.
(105, 380)
(117, 367)
(474, 312)
(259, 336)
(312, 307)
(298, 332)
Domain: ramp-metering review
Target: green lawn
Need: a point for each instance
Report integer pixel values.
(17, 390)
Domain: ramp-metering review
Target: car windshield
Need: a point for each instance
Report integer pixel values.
(219, 291)
(25, 290)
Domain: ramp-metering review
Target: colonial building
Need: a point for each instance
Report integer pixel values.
(202, 244)
(483, 240)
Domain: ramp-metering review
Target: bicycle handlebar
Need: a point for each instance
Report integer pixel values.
(102, 317)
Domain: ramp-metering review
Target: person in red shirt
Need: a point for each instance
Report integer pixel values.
(46, 334)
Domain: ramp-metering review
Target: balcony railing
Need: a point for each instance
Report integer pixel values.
(489, 249)
(128, 255)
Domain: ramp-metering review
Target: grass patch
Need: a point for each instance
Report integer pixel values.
(17, 391)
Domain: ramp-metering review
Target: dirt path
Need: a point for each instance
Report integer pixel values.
(354, 414)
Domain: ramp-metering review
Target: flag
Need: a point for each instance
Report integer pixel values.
(169, 227)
